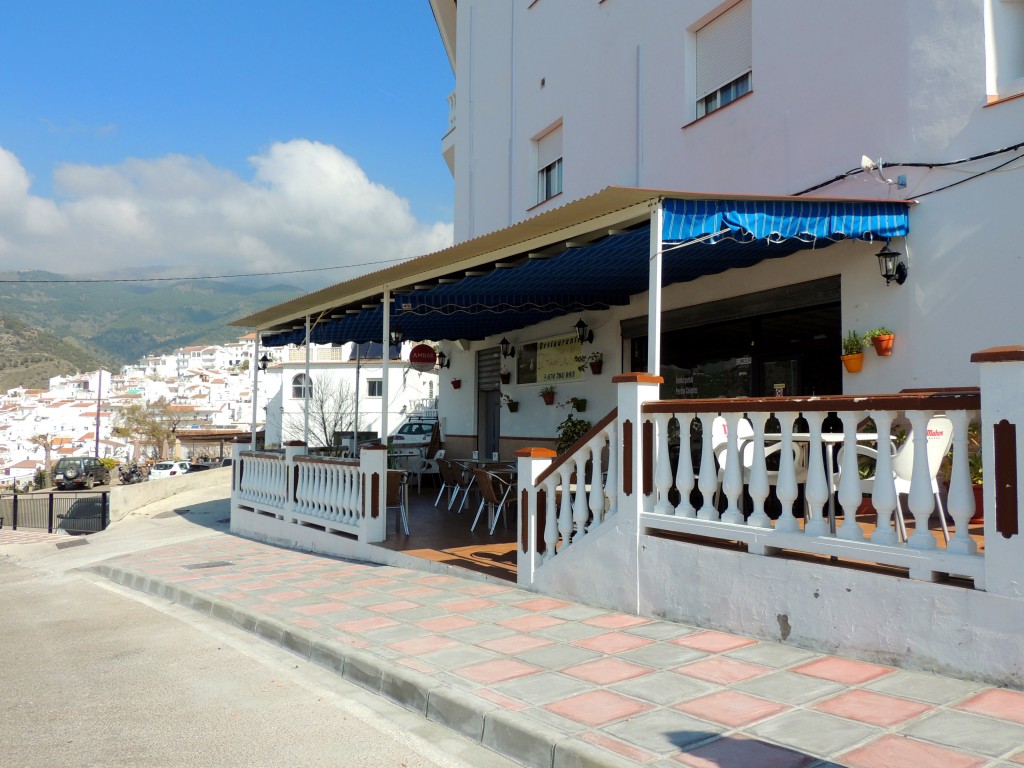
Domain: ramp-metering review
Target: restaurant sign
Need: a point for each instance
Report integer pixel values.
(556, 359)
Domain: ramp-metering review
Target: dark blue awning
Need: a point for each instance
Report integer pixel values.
(700, 237)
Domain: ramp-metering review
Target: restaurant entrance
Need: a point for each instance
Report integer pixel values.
(783, 342)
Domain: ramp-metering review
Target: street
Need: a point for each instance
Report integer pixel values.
(94, 675)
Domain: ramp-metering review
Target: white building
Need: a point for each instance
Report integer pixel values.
(706, 185)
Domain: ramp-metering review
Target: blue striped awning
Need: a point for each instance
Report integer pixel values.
(700, 237)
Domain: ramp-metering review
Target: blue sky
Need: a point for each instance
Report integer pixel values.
(118, 118)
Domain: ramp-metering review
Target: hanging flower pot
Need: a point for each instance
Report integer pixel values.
(883, 344)
(513, 406)
(853, 363)
(456, 383)
(548, 393)
(595, 368)
(505, 376)
(579, 404)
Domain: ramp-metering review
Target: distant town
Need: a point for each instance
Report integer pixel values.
(203, 397)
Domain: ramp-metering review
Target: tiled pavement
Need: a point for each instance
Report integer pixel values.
(555, 683)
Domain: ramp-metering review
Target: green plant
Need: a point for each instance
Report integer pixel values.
(853, 344)
(585, 360)
(506, 399)
(548, 390)
(880, 331)
(569, 431)
(110, 464)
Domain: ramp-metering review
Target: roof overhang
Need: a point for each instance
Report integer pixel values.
(588, 254)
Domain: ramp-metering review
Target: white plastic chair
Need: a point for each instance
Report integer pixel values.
(745, 442)
(940, 436)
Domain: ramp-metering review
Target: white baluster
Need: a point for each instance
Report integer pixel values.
(597, 498)
(883, 490)
(850, 495)
(565, 507)
(612, 483)
(758, 486)
(818, 489)
(960, 501)
(550, 520)
(684, 469)
(707, 480)
(580, 508)
(786, 488)
(663, 467)
(732, 482)
(921, 501)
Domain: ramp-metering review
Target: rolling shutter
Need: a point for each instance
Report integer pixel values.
(724, 49)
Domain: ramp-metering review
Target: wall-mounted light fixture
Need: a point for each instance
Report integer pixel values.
(264, 362)
(442, 360)
(890, 266)
(583, 333)
(507, 350)
(396, 335)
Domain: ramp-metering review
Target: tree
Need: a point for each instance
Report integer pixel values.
(154, 424)
(46, 442)
(332, 410)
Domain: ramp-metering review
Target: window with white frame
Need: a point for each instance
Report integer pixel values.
(375, 387)
(724, 58)
(1004, 48)
(302, 387)
(549, 164)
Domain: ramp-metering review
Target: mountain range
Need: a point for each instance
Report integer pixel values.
(52, 325)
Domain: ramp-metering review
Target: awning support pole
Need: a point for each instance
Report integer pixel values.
(654, 294)
(307, 392)
(255, 387)
(386, 347)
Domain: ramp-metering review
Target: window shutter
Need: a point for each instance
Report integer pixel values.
(549, 148)
(488, 365)
(724, 49)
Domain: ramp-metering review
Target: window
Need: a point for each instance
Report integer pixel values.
(724, 59)
(1004, 48)
(375, 388)
(549, 163)
(302, 387)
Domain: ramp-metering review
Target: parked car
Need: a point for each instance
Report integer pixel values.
(80, 472)
(194, 467)
(168, 469)
(84, 516)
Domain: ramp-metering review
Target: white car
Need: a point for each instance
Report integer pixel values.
(168, 469)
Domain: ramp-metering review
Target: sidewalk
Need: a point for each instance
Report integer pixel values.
(554, 683)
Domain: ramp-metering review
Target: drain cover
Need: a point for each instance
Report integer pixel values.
(214, 564)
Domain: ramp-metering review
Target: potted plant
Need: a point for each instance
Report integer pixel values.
(456, 383)
(595, 360)
(505, 376)
(578, 404)
(882, 339)
(548, 393)
(513, 405)
(853, 352)
(569, 431)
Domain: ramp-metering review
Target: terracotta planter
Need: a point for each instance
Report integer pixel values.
(595, 368)
(505, 377)
(549, 398)
(456, 383)
(853, 363)
(979, 509)
(883, 344)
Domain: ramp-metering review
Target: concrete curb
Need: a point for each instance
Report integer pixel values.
(515, 736)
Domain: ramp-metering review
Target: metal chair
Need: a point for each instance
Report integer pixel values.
(494, 499)
(452, 480)
(398, 497)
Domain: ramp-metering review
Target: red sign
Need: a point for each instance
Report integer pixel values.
(422, 357)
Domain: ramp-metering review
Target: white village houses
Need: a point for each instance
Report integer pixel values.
(707, 188)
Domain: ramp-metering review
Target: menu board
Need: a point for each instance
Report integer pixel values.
(556, 359)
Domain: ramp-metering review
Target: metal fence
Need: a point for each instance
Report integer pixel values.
(71, 513)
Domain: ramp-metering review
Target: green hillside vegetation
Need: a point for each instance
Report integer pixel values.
(30, 356)
(121, 322)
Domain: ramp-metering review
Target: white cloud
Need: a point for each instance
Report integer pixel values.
(308, 205)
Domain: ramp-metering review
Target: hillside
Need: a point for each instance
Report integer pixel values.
(67, 326)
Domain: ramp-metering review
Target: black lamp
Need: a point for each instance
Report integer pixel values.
(264, 362)
(442, 360)
(583, 333)
(890, 266)
(507, 350)
(396, 335)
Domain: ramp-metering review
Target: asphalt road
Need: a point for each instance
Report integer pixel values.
(95, 675)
